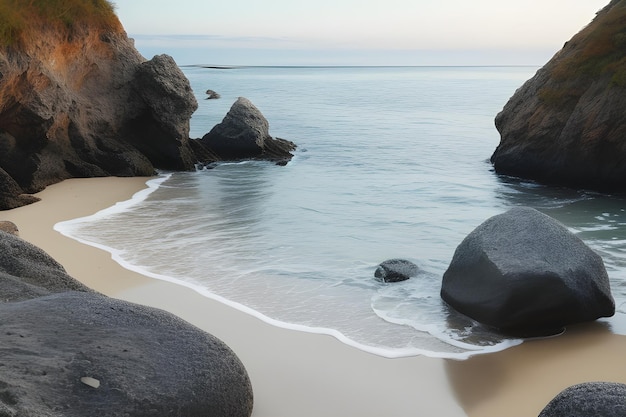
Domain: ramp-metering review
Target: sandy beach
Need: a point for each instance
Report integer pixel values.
(301, 374)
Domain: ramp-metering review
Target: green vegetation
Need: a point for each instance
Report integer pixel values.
(558, 97)
(18, 16)
(599, 50)
(602, 48)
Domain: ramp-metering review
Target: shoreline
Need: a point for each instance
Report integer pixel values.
(292, 372)
(308, 374)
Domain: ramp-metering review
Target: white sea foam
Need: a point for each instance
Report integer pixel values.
(297, 246)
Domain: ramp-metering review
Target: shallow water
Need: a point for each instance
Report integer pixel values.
(391, 163)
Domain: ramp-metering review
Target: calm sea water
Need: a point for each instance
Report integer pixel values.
(391, 163)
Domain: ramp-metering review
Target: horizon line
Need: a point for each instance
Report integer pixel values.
(212, 66)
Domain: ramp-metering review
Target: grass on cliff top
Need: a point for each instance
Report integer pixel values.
(18, 16)
(602, 48)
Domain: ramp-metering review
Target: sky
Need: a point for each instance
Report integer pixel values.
(355, 32)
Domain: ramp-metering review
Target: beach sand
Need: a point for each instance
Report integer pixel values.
(301, 374)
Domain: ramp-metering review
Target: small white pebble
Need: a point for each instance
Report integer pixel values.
(92, 382)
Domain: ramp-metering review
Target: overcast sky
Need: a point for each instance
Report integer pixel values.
(394, 32)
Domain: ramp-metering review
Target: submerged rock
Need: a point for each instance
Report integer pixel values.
(212, 95)
(396, 270)
(602, 399)
(526, 274)
(244, 134)
(567, 124)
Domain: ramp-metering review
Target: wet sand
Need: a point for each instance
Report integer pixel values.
(302, 374)
(292, 373)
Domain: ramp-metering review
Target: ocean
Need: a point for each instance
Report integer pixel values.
(392, 162)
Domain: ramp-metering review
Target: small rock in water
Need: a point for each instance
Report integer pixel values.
(396, 270)
(212, 95)
(92, 382)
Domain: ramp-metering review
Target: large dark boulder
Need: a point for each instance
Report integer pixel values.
(80, 354)
(244, 134)
(524, 273)
(68, 351)
(599, 399)
(395, 270)
(160, 130)
(567, 125)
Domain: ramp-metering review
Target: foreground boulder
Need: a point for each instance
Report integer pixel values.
(244, 134)
(567, 124)
(84, 354)
(395, 270)
(69, 351)
(525, 273)
(601, 399)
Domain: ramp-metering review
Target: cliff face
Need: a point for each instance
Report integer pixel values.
(567, 125)
(83, 103)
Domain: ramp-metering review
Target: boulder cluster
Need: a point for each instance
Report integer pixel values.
(90, 105)
(520, 273)
(67, 350)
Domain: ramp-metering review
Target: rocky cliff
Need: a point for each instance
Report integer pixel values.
(78, 100)
(567, 125)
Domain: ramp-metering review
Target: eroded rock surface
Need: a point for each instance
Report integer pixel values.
(567, 125)
(85, 103)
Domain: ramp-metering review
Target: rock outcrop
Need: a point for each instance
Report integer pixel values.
(395, 270)
(80, 101)
(524, 273)
(69, 351)
(244, 134)
(605, 399)
(567, 125)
